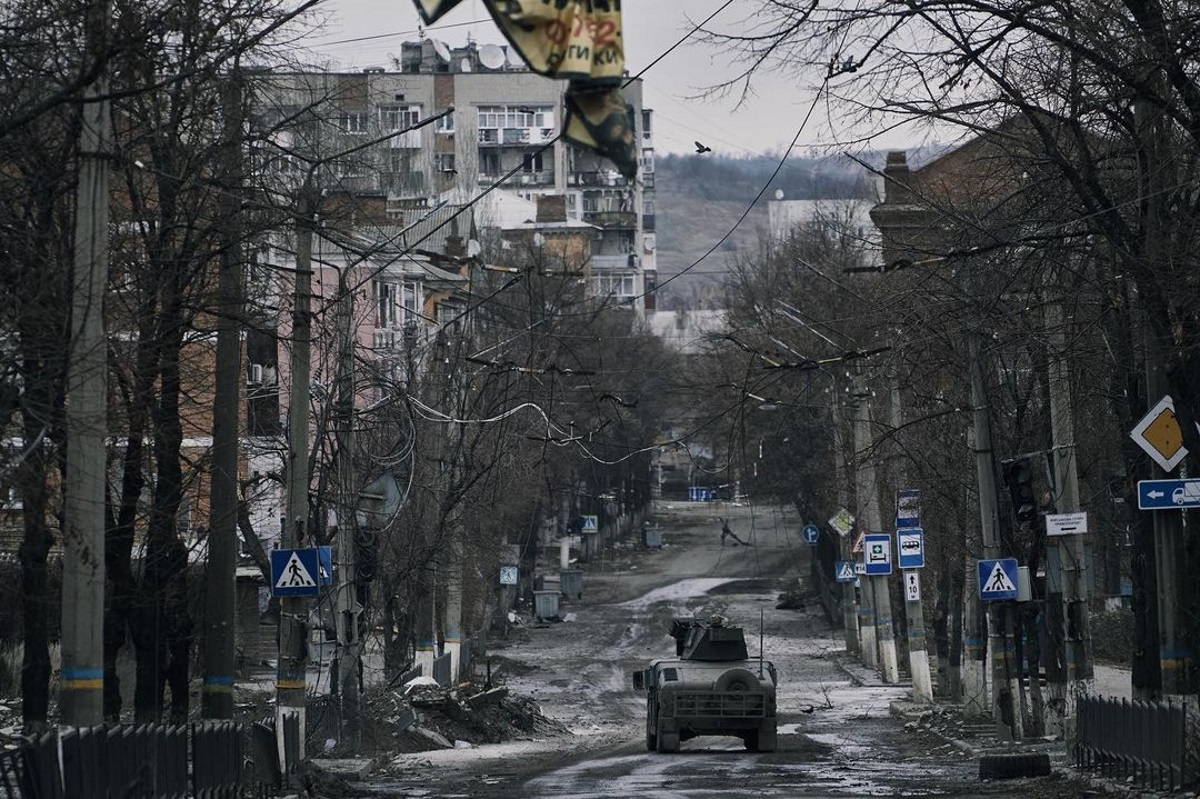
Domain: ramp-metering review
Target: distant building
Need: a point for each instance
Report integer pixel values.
(503, 131)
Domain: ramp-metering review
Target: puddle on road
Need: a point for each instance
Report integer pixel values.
(684, 589)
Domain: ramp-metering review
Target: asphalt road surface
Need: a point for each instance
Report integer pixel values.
(836, 739)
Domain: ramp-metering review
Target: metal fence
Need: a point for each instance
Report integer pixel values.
(205, 760)
(1142, 741)
(441, 670)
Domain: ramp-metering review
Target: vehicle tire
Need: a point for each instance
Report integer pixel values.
(766, 740)
(736, 681)
(751, 739)
(651, 741)
(1011, 766)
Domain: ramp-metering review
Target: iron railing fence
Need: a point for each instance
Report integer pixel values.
(205, 760)
(1142, 741)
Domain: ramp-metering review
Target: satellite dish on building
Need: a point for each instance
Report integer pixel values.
(779, 194)
(491, 56)
(439, 47)
(465, 66)
(473, 248)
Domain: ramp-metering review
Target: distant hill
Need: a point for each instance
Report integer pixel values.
(699, 198)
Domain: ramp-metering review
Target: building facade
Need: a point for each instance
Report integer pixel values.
(449, 125)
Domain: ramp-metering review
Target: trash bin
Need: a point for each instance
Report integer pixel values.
(652, 537)
(571, 582)
(545, 605)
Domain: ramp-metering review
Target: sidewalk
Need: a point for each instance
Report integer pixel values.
(983, 738)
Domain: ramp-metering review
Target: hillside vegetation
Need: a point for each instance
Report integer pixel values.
(699, 198)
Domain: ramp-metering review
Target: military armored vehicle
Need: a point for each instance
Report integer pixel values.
(710, 687)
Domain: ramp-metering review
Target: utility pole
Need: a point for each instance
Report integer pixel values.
(868, 502)
(1076, 635)
(1006, 704)
(82, 674)
(216, 699)
(348, 606)
(1175, 655)
(290, 680)
(914, 611)
(451, 556)
(841, 475)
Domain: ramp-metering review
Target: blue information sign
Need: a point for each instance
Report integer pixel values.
(811, 533)
(1168, 494)
(998, 578)
(910, 548)
(877, 553)
(294, 572)
(908, 508)
(325, 565)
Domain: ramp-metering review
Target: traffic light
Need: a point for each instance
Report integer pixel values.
(1018, 475)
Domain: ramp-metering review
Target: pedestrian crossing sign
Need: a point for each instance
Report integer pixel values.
(844, 573)
(998, 578)
(294, 572)
(591, 524)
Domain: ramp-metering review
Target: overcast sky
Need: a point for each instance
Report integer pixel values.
(363, 33)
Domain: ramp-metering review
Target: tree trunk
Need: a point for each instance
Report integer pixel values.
(38, 603)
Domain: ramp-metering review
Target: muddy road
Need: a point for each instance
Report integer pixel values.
(836, 739)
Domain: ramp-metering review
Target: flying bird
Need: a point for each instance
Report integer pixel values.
(702, 148)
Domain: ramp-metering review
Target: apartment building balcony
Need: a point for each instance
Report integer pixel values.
(403, 183)
(409, 140)
(510, 137)
(606, 178)
(539, 178)
(611, 220)
(613, 263)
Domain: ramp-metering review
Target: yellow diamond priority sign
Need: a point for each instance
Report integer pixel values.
(1158, 434)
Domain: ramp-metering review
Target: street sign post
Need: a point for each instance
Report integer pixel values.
(908, 507)
(508, 575)
(294, 572)
(910, 548)
(844, 571)
(877, 553)
(997, 578)
(1159, 436)
(811, 534)
(843, 522)
(912, 586)
(325, 565)
(1168, 494)
(1066, 523)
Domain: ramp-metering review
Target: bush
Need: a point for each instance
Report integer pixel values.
(1112, 636)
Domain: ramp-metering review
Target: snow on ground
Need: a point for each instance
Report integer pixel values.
(682, 590)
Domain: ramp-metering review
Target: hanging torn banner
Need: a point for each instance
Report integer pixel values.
(579, 41)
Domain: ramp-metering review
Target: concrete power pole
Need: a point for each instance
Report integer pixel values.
(1006, 704)
(1075, 630)
(914, 611)
(82, 675)
(868, 502)
(290, 680)
(350, 644)
(841, 473)
(216, 700)
(1175, 655)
